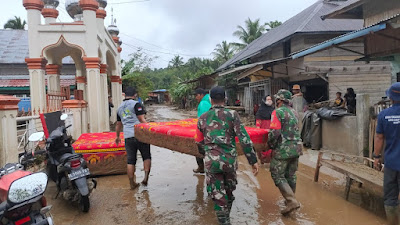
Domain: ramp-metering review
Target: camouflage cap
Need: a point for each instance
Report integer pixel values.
(283, 95)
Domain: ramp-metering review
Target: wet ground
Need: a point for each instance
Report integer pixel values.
(176, 196)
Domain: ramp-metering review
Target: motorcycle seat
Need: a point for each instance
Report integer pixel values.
(68, 156)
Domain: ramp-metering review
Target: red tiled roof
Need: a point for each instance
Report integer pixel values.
(25, 83)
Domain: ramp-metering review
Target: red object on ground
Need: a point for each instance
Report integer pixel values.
(104, 157)
(263, 124)
(266, 156)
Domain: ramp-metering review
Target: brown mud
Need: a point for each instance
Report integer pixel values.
(176, 196)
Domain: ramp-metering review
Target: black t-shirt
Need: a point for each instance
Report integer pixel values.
(139, 110)
(350, 100)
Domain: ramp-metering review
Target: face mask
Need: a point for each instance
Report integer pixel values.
(269, 102)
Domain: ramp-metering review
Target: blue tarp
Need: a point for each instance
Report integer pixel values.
(25, 104)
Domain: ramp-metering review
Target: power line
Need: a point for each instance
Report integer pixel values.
(171, 51)
(128, 2)
(138, 48)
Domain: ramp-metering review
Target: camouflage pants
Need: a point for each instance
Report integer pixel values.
(220, 187)
(284, 171)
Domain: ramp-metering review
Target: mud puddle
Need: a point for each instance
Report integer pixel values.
(176, 196)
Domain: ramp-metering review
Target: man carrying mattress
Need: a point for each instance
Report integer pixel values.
(215, 136)
(130, 113)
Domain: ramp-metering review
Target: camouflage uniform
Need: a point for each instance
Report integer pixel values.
(216, 132)
(284, 139)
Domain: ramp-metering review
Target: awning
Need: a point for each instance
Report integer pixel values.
(253, 65)
(340, 40)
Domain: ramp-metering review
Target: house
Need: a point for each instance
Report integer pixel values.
(159, 96)
(267, 64)
(206, 82)
(14, 74)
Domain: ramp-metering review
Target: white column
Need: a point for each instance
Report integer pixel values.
(8, 129)
(78, 109)
(36, 68)
(96, 117)
(104, 96)
(116, 96)
(53, 78)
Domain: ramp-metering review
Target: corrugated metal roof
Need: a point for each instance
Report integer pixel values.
(348, 5)
(307, 21)
(14, 47)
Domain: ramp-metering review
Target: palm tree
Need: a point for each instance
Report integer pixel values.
(176, 62)
(223, 52)
(249, 33)
(273, 24)
(15, 24)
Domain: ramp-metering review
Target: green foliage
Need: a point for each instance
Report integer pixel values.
(15, 24)
(273, 24)
(176, 62)
(249, 33)
(224, 51)
(138, 80)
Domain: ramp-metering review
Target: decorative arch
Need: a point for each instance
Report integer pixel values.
(111, 62)
(61, 41)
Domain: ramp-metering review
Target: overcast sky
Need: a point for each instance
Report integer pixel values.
(166, 28)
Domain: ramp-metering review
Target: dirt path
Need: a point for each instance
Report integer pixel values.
(176, 196)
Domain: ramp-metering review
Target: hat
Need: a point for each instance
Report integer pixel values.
(296, 87)
(394, 92)
(217, 93)
(130, 91)
(283, 95)
(200, 91)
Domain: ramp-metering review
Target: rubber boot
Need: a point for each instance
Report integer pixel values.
(200, 168)
(223, 217)
(291, 201)
(293, 186)
(392, 215)
(133, 184)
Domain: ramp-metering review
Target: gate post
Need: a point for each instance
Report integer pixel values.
(78, 109)
(8, 129)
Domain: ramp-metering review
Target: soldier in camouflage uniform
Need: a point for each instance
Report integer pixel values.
(284, 139)
(216, 132)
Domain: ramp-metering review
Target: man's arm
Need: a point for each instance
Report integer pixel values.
(378, 143)
(140, 112)
(199, 138)
(118, 128)
(274, 134)
(245, 141)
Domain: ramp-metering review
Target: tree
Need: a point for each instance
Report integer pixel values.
(15, 24)
(273, 24)
(249, 33)
(139, 61)
(223, 52)
(176, 62)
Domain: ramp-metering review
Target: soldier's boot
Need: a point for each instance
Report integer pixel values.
(392, 215)
(291, 201)
(230, 203)
(293, 186)
(200, 169)
(223, 217)
(133, 184)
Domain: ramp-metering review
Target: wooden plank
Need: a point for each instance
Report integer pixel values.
(330, 58)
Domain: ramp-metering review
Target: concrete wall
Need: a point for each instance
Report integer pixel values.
(340, 135)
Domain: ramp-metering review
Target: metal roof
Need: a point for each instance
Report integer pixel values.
(348, 5)
(14, 47)
(307, 21)
(344, 38)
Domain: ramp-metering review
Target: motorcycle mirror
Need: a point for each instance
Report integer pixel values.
(38, 136)
(27, 188)
(63, 117)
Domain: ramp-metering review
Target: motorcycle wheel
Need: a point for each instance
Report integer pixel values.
(84, 203)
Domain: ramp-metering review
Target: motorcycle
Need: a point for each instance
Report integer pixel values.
(67, 169)
(22, 197)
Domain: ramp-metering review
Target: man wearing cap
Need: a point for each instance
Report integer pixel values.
(299, 102)
(129, 114)
(388, 129)
(204, 105)
(215, 136)
(284, 140)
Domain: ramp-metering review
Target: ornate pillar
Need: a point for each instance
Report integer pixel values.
(104, 96)
(96, 117)
(81, 83)
(8, 129)
(33, 8)
(50, 14)
(53, 78)
(79, 111)
(36, 67)
(116, 95)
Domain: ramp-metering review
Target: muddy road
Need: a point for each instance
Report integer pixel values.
(176, 196)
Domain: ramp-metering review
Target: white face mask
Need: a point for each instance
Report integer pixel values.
(269, 102)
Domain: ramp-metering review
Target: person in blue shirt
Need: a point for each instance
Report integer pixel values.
(388, 129)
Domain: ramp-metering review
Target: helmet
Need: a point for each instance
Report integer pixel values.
(283, 95)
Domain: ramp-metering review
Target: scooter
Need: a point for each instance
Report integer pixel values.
(67, 169)
(22, 197)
